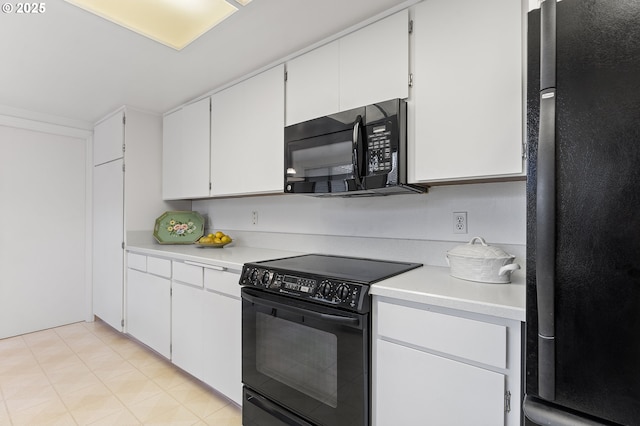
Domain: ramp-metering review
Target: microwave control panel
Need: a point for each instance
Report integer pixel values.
(379, 147)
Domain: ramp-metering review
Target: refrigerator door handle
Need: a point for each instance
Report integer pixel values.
(545, 245)
(547, 44)
(542, 414)
(546, 204)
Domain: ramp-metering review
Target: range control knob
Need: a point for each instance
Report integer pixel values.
(266, 277)
(325, 289)
(253, 277)
(343, 291)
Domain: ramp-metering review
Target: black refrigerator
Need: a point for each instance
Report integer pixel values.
(582, 363)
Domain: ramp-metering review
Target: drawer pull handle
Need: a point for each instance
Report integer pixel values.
(204, 265)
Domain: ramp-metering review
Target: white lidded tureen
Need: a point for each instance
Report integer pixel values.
(481, 262)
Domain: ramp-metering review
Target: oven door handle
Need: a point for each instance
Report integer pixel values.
(274, 410)
(336, 319)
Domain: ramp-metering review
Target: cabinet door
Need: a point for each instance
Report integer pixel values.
(467, 91)
(171, 153)
(247, 134)
(419, 388)
(185, 152)
(313, 82)
(374, 62)
(367, 66)
(187, 328)
(108, 235)
(108, 139)
(223, 344)
(149, 310)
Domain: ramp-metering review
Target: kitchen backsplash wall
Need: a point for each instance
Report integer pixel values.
(412, 227)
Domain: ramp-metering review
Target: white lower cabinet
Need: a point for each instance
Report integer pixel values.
(206, 333)
(148, 312)
(433, 366)
(190, 313)
(186, 328)
(187, 317)
(442, 391)
(222, 337)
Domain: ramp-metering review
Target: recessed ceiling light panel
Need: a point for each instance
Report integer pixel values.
(175, 23)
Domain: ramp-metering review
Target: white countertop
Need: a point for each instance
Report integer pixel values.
(429, 284)
(434, 286)
(230, 256)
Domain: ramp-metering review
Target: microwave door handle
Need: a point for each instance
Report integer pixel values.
(358, 151)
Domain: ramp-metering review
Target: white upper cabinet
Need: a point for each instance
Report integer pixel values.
(247, 136)
(108, 139)
(466, 108)
(367, 66)
(185, 152)
(313, 80)
(374, 62)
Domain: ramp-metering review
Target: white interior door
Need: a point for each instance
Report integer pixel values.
(42, 244)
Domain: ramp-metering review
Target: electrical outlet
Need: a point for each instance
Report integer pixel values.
(459, 222)
(254, 217)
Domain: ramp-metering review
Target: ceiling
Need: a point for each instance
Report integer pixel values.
(69, 63)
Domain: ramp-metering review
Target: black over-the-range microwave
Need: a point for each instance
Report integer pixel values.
(361, 151)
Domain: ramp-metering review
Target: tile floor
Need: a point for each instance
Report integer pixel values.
(90, 374)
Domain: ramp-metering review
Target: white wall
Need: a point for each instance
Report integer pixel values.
(43, 247)
(401, 223)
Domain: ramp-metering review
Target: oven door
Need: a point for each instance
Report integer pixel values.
(308, 359)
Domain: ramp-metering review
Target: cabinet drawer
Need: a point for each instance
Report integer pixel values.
(157, 266)
(222, 282)
(137, 261)
(189, 274)
(461, 337)
(456, 393)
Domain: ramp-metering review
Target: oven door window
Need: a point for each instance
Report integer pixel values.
(300, 357)
(310, 359)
